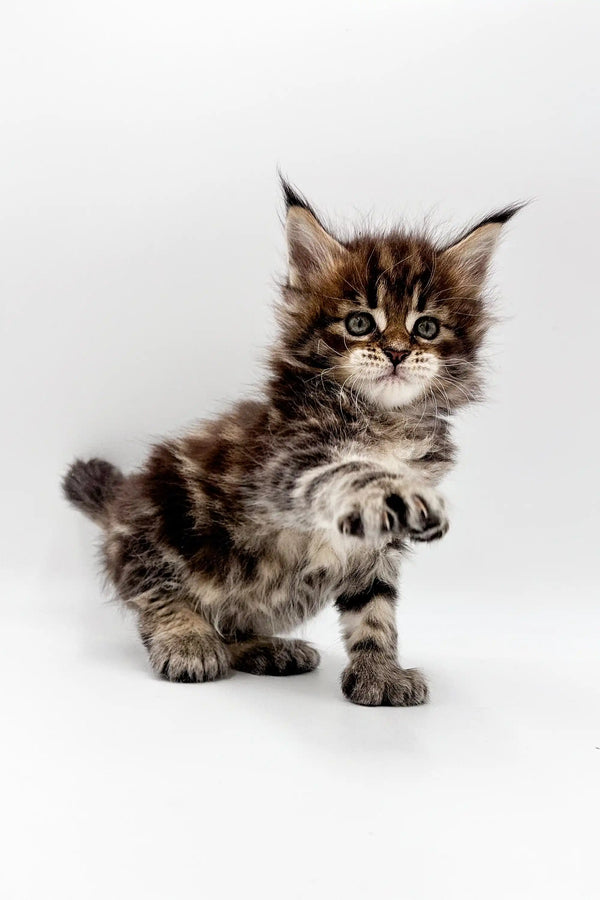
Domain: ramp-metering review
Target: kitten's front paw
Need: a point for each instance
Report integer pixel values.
(395, 508)
(373, 682)
(422, 512)
(188, 657)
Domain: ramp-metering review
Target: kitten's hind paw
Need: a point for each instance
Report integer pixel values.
(273, 656)
(188, 657)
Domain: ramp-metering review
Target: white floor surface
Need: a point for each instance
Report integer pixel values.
(119, 785)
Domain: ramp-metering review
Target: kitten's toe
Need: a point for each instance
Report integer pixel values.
(408, 688)
(395, 514)
(189, 658)
(351, 524)
(426, 517)
(371, 520)
(274, 656)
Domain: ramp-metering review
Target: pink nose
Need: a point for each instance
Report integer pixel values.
(396, 356)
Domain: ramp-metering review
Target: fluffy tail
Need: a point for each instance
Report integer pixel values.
(90, 486)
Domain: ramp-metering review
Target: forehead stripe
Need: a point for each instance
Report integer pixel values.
(372, 278)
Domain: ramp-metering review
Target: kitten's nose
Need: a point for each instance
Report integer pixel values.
(396, 356)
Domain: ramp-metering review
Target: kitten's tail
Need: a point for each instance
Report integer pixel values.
(90, 486)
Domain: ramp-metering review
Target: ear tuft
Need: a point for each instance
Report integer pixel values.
(502, 216)
(472, 253)
(293, 197)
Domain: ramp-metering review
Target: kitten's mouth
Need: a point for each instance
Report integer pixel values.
(394, 375)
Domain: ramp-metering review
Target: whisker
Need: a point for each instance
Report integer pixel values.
(336, 352)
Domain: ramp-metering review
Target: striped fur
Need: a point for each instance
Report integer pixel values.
(250, 523)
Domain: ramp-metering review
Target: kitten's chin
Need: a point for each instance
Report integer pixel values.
(391, 393)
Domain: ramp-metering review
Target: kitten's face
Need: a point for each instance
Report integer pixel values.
(392, 319)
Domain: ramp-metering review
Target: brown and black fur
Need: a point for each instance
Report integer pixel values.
(250, 523)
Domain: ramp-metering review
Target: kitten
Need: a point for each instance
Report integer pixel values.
(252, 522)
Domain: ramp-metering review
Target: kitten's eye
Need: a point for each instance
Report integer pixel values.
(426, 327)
(360, 324)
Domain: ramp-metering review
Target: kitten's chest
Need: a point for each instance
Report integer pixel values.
(395, 454)
(310, 562)
(426, 451)
(313, 569)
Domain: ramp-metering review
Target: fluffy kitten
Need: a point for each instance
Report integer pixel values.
(252, 522)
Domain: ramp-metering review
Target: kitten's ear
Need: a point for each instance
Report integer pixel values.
(472, 253)
(311, 249)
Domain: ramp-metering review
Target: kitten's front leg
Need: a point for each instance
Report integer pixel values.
(374, 677)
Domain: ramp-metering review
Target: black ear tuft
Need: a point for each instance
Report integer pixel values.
(293, 197)
(502, 216)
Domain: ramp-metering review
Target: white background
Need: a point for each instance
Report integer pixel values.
(141, 234)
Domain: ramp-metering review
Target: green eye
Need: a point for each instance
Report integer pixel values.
(360, 324)
(426, 327)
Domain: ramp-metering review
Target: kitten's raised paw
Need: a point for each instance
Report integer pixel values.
(394, 508)
(371, 682)
(421, 512)
(188, 657)
(274, 656)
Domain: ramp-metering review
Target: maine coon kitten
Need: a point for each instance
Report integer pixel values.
(252, 522)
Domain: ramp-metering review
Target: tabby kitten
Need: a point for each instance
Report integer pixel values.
(252, 522)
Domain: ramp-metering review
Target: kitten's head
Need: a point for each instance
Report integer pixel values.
(393, 318)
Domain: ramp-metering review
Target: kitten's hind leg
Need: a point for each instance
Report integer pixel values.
(181, 644)
(273, 656)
